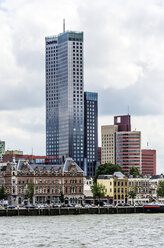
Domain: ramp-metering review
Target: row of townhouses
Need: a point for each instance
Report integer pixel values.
(50, 181)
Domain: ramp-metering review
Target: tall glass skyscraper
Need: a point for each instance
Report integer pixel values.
(90, 133)
(65, 97)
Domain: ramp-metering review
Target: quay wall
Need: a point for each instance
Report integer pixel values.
(70, 211)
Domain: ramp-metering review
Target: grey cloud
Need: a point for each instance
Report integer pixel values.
(142, 97)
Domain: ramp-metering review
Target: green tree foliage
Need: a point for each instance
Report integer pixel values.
(61, 197)
(30, 190)
(133, 192)
(134, 171)
(160, 189)
(2, 193)
(107, 169)
(98, 191)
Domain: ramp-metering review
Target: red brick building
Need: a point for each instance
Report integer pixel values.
(148, 162)
(49, 181)
(31, 158)
(128, 150)
(99, 155)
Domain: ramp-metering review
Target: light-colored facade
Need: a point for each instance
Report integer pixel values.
(2, 150)
(128, 150)
(88, 183)
(108, 143)
(14, 152)
(116, 187)
(142, 186)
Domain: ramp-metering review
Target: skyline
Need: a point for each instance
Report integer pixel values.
(125, 59)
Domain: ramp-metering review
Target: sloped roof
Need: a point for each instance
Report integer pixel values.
(66, 167)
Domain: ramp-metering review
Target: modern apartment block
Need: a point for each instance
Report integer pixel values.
(108, 143)
(2, 150)
(148, 162)
(90, 133)
(65, 97)
(123, 122)
(128, 150)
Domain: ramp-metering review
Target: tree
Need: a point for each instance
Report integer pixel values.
(134, 171)
(2, 192)
(30, 191)
(133, 192)
(107, 169)
(61, 197)
(98, 191)
(160, 189)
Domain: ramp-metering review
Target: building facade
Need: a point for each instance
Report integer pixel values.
(99, 155)
(128, 150)
(90, 133)
(2, 150)
(148, 162)
(123, 122)
(108, 133)
(65, 97)
(116, 187)
(142, 188)
(49, 181)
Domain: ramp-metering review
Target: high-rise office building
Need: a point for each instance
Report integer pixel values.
(148, 162)
(108, 143)
(123, 122)
(90, 133)
(128, 150)
(65, 97)
(2, 150)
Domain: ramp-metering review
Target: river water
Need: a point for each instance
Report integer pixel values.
(133, 230)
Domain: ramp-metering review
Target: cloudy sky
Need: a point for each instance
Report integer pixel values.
(124, 63)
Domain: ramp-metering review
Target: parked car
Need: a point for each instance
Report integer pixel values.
(119, 204)
(108, 205)
(10, 207)
(126, 204)
(30, 206)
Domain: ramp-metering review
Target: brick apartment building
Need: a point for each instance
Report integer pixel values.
(49, 181)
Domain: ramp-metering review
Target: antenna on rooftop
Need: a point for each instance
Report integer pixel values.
(128, 109)
(63, 25)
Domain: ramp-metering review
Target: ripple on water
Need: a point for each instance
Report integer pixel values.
(83, 231)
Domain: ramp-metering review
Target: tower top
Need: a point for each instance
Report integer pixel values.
(63, 25)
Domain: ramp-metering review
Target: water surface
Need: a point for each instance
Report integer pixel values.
(133, 230)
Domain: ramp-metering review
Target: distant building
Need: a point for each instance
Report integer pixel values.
(99, 155)
(8, 157)
(108, 143)
(142, 185)
(116, 187)
(123, 122)
(49, 181)
(2, 150)
(14, 152)
(128, 150)
(148, 162)
(90, 133)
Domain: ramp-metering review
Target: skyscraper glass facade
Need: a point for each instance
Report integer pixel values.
(65, 97)
(90, 133)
